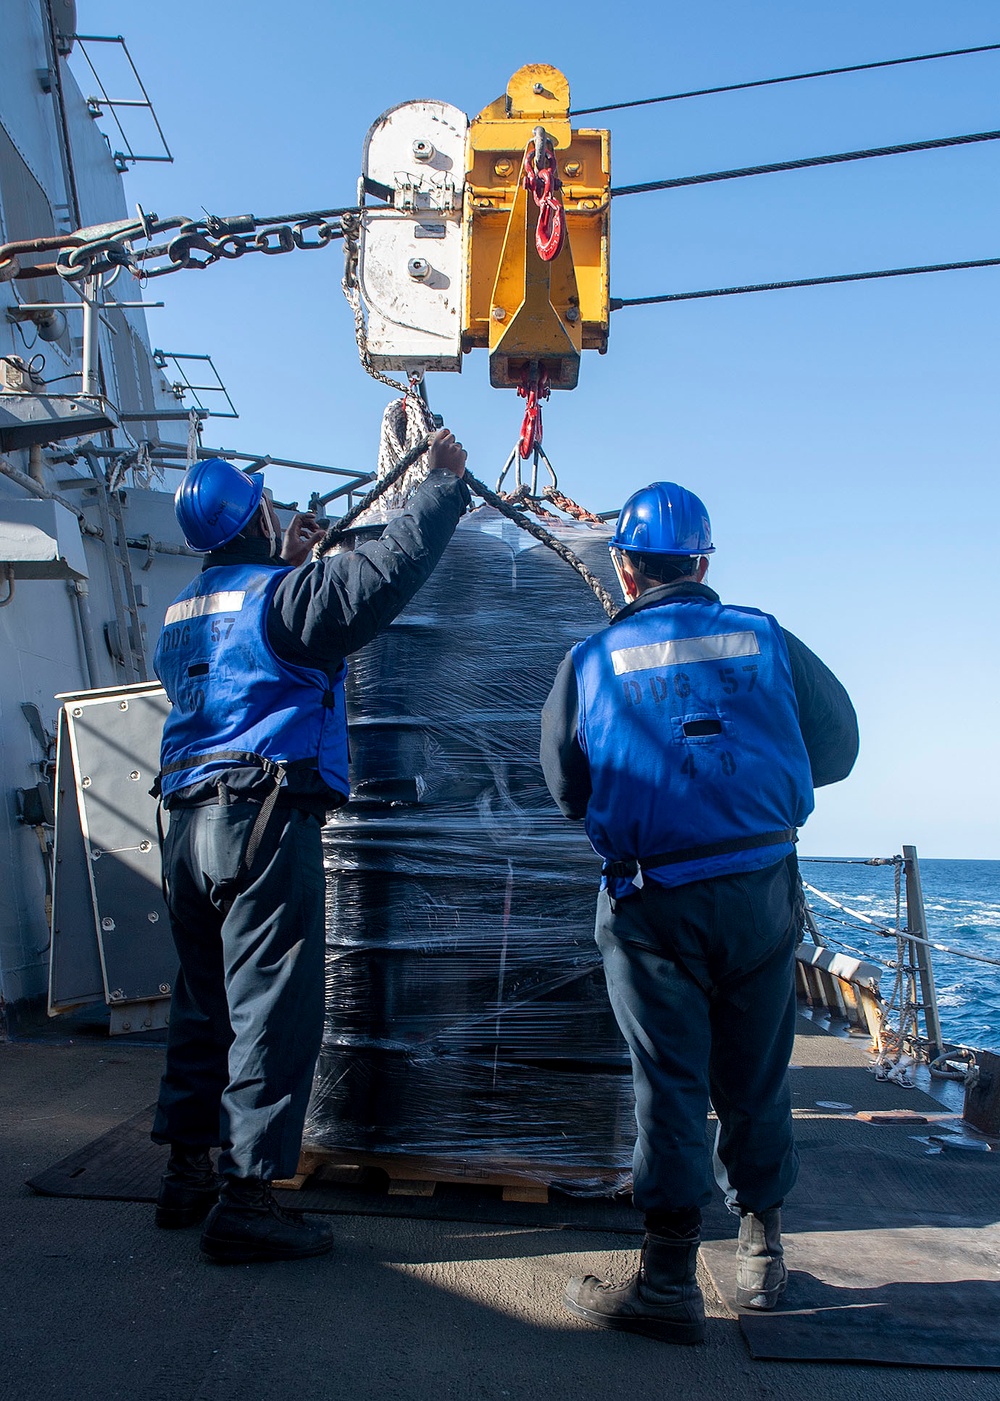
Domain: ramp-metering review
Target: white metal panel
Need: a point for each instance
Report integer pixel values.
(410, 265)
(113, 736)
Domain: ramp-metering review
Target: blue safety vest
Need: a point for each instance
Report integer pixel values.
(688, 718)
(234, 703)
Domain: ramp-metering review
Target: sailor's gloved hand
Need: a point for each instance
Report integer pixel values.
(302, 534)
(447, 453)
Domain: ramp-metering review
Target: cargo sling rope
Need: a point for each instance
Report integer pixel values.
(337, 531)
(351, 224)
(405, 423)
(529, 496)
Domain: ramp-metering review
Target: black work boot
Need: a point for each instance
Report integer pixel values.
(661, 1301)
(761, 1275)
(188, 1189)
(248, 1224)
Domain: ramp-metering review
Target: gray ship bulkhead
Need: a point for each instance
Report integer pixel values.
(62, 630)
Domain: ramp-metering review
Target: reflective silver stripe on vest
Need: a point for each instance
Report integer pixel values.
(684, 650)
(188, 608)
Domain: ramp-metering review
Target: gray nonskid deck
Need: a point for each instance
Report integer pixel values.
(97, 1299)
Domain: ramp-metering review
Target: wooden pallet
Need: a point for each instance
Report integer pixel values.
(418, 1176)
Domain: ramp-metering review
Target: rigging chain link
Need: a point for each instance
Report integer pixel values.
(90, 251)
(541, 179)
(534, 387)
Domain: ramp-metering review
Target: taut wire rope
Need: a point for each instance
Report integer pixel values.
(787, 78)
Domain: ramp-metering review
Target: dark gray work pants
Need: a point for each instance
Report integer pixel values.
(246, 1016)
(701, 980)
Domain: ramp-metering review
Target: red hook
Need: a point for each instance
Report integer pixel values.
(533, 388)
(545, 188)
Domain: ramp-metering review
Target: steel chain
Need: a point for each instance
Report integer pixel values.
(350, 227)
(90, 251)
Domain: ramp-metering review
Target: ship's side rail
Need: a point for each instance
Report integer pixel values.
(903, 1018)
(892, 997)
(846, 986)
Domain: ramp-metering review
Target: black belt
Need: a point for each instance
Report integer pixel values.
(239, 758)
(627, 869)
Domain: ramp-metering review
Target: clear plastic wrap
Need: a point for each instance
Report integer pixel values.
(573, 1127)
(430, 967)
(467, 1017)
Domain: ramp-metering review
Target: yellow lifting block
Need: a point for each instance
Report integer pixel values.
(535, 315)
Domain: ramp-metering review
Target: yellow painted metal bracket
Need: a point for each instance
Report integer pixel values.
(527, 312)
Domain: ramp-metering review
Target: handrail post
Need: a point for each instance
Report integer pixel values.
(90, 372)
(920, 954)
(813, 927)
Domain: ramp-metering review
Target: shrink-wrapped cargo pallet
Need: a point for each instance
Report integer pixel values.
(467, 1019)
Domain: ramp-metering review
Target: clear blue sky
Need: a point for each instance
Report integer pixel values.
(845, 438)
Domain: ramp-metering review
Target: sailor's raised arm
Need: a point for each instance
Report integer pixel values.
(331, 607)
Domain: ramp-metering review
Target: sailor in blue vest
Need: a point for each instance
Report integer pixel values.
(689, 735)
(252, 655)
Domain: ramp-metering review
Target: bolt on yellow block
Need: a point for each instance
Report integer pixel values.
(530, 313)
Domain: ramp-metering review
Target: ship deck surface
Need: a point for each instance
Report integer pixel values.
(98, 1302)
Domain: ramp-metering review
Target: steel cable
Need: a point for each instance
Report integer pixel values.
(788, 78)
(807, 162)
(900, 933)
(617, 303)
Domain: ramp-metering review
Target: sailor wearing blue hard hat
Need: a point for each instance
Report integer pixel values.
(215, 501)
(253, 658)
(689, 735)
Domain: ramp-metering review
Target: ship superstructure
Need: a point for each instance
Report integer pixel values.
(82, 605)
(95, 422)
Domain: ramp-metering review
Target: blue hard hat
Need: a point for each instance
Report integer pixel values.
(215, 501)
(663, 519)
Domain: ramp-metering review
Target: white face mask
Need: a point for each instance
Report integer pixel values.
(273, 534)
(616, 560)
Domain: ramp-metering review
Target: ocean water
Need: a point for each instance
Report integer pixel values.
(962, 904)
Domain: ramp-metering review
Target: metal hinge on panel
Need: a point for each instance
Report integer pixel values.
(415, 193)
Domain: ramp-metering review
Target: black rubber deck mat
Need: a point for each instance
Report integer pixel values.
(918, 1298)
(892, 1243)
(124, 1165)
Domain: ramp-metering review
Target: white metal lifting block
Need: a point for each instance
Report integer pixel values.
(410, 268)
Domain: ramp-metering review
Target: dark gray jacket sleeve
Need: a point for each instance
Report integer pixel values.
(564, 764)
(328, 608)
(826, 716)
